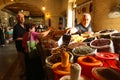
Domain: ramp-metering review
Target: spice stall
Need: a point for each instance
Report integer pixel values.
(93, 58)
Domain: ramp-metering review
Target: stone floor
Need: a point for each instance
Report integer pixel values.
(8, 63)
(9, 69)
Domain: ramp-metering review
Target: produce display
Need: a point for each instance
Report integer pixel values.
(116, 42)
(54, 58)
(116, 34)
(65, 59)
(107, 55)
(82, 50)
(76, 44)
(102, 45)
(87, 63)
(49, 43)
(89, 39)
(56, 50)
(100, 42)
(106, 31)
(77, 38)
(118, 64)
(58, 69)
(104, 73)
(62, 68)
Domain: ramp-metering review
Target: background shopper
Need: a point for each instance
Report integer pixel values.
(18, 32)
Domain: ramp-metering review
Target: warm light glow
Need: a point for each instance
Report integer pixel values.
(21, 10)
(14, 21)
(30, 18)
(69, 18)
(75, 5)
(11, 0)
(69, 24)
(43, 8)
(5, 18)
(47, 15)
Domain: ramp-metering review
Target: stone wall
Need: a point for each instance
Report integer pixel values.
(101, 20)
(4, 18)
(100, 11)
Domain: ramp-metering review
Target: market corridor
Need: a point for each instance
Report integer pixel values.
(8, 63)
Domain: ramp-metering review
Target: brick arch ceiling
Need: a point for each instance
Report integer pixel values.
(33, 10)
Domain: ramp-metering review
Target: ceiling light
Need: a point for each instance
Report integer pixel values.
(43, 8)
(74, 5)
(11, 0)
(47, 15)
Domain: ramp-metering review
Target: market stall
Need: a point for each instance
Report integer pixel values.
(90, 51)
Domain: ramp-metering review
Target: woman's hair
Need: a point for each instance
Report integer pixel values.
(29, 26)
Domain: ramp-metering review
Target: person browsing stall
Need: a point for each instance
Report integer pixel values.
(33, 65)
(18, 32)
(30, 28)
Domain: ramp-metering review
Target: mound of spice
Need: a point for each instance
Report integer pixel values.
(82, 50)
(100, 42)
(106, 74)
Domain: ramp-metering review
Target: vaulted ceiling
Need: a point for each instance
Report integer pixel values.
(32, 7)
(29, 9)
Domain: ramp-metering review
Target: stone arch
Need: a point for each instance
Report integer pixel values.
(3, 4)
(23, 5)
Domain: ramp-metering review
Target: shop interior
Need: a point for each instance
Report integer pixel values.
(65, 56)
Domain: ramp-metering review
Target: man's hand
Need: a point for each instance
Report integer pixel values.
(51, 28)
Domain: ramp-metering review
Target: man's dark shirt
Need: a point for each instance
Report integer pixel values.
(18, 31)
(81, 29)
(2, 41)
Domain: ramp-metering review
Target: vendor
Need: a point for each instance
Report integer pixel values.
(84, 26)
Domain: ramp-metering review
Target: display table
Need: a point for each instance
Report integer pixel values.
(106, 62)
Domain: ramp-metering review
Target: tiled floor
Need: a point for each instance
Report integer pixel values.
(8, 63)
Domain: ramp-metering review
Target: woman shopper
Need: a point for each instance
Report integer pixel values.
(34, 66)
